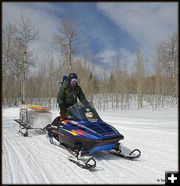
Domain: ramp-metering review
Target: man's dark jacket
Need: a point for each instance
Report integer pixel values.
(67, 96)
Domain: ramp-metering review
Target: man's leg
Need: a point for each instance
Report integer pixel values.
(62, 115)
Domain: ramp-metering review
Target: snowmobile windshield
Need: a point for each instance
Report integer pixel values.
(83, 113)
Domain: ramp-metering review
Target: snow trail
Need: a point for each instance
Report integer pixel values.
(33, 160)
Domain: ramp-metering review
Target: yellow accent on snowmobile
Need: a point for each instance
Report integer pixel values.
(72, 132)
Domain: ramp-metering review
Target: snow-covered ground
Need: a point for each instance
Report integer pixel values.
(33, 160)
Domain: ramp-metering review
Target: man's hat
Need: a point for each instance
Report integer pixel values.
(73, 76)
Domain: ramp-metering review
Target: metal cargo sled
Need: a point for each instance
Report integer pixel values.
(33, 117)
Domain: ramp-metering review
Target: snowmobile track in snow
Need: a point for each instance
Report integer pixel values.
(48, 164)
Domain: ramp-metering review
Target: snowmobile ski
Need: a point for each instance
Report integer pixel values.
(137, 154)
(85, 163)
(76, 157)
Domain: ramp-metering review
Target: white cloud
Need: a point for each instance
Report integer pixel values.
(109, 56)
(127, 56)
(147, 23)
(122, 56)
(106, 56)
(94, 68)
(42, 18)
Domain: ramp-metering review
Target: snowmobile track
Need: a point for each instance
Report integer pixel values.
(48, 164)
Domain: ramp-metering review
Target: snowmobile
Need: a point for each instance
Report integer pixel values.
(84, 133)
(33, 117)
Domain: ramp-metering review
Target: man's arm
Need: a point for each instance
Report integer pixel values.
(61, 98)
(82, 97)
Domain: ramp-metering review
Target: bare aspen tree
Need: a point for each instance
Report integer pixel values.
(125, 88)
(65, 39)
(41, 86)
(139, 79)
(7, 43)
(26, 33)
(117, 77)
(112, 86)
(149, 89)
(121, 88)
(170, 54)
(51, 78)
(158, 77)
(123, 79)
(84, 49)
(119, 94)
(102, 86)
(92, 86)
(8, 70)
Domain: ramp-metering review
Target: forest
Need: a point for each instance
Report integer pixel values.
(28, 79)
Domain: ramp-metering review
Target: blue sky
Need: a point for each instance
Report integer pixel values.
(108, 28)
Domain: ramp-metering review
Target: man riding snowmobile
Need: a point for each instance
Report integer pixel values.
(83, 132)
(68, 94)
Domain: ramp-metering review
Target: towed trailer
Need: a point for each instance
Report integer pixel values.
(33, 117)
